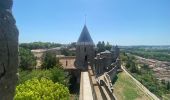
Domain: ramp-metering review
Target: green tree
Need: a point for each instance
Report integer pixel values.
(49, 60)
(27, 59)
(128, 64)
(168, 85)
(55, 74)
(58, 75)
(73, 45)
(101, 46)
(123, 57)
(145, 66)
(65, 52)
(133, 67)
(108, 46)
(42, 89)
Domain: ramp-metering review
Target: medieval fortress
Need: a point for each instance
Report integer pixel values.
(103, 65)
(86, 54)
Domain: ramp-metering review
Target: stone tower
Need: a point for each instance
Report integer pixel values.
(84, 50)
(115, 51)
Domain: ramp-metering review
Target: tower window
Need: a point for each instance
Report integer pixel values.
(84, 49)
(86, 58)
(66, 62)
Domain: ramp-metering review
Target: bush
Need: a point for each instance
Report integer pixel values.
(58, 75)
(55, 74)
(42, 89)
(49, 60)
(27, 75)
(27, 59)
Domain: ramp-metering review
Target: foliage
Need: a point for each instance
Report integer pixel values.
(58, 75)
(25, 75)
(102, 46)
(39, 45)
(42, 89)
(145, 76)
(27, 59)
(168, 85)
(133, 68)
(66, 52)
(123, 57)
(49, 60)
(55, 74)
(162, 55)
(108, 46)
(72, 45)
(128, 65)
(148, 80)
(131, 64)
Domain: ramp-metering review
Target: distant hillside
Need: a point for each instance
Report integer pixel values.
(39, 45)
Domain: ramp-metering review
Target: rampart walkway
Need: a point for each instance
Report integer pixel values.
(93, 89)
(85, 87)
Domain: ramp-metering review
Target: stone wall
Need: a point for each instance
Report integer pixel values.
(83, 51)
(8, 51)
(102, 63)
(112, 73)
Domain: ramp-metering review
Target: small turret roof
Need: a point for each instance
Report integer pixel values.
(85, 37)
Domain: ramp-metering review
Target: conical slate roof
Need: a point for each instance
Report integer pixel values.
(85, 37)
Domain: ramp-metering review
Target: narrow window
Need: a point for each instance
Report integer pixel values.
(86, 58)
(85, 49)
(66, 63)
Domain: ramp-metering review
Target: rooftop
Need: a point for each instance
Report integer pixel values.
(106, 51)
(85, 37)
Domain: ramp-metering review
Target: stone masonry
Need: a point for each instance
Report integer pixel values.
(85, 51)
(8, 51)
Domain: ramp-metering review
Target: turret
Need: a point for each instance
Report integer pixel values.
(85, 49)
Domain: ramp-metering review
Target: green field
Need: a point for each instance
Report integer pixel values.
(126, 89)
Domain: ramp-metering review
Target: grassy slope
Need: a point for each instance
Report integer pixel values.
(125, 89)
(166, 97)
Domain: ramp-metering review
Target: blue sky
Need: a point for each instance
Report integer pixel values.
(122, 22)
